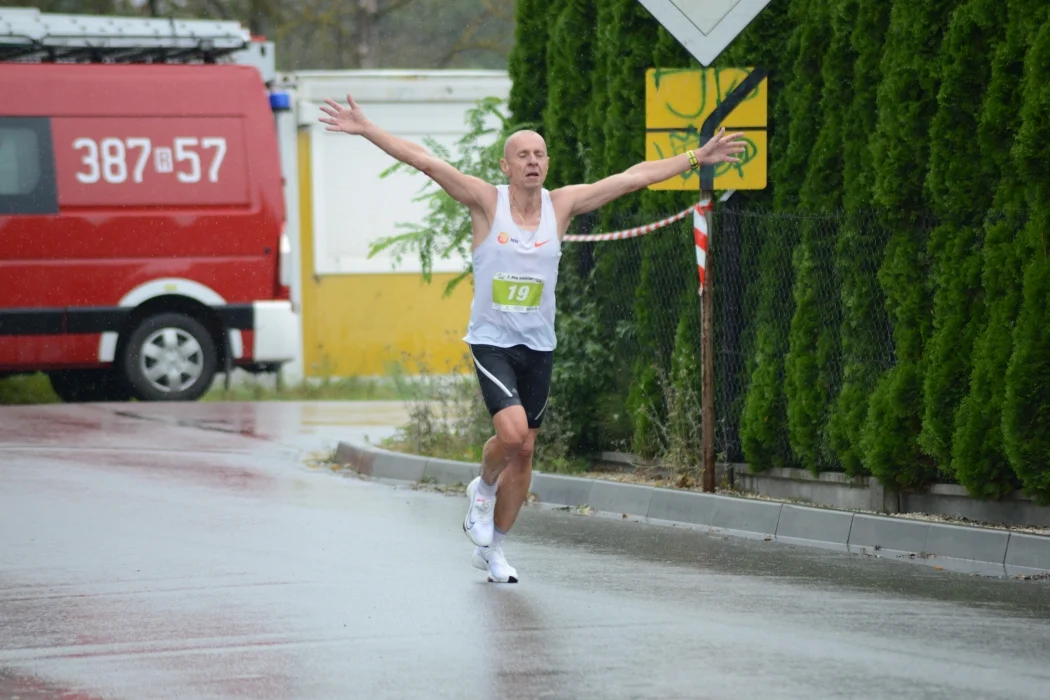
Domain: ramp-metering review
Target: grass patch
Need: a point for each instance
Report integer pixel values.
(345, 389)
(27, 389)
(321, 460)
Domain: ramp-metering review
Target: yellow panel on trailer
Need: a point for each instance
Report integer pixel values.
(367, 316)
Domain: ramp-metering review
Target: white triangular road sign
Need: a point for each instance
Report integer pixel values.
(705, 27)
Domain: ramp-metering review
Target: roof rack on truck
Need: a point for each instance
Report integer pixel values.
(28, 35)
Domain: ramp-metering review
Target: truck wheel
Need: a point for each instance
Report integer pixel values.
(169, 357)
(89, 385)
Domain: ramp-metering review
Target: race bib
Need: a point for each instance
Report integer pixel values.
(516, 293)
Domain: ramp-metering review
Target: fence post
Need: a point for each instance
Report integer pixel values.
(707, 389)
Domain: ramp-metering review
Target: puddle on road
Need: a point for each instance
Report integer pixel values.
(277, 421)
(275, 418)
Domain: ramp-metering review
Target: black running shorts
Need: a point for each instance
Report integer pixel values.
(514, 376)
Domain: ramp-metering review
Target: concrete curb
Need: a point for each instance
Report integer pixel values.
(958, 548)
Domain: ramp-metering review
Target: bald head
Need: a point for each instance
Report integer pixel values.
(525, 159)
(526, 139)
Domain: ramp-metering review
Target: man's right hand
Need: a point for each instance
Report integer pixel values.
(349, 120)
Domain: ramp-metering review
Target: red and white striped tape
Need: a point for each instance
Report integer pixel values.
(701, 234)
(631, 232)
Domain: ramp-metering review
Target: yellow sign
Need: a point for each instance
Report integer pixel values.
(748, 174)
(678, 101)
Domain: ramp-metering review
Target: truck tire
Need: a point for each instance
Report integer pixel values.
(89, 385)
(169, 357)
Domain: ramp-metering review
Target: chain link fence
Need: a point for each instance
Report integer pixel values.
(798, 312)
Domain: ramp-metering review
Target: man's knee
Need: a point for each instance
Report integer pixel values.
(528, 446)
(521, 461)
(513, 439)
(513, 434)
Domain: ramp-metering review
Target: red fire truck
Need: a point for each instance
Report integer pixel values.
(142, 245)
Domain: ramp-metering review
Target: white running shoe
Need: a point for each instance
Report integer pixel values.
(491, 559)
(478, 522)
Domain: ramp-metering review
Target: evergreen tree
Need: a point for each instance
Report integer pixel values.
(583, 372)
(570, 57)
(1026, 405)
(739, 237)
(527, 62)
(978, 457)
(624, 124)
(960, 193)
(906, 107)
(764, 44)
(812, 359)
(604, 64)
(580, 374)
(763, 425)
(627, 42)
(665, 287)
(859, 246)
(763, 421)
(798, 104)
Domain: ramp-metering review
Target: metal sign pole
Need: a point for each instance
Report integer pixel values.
(704, 30)
(707, 186)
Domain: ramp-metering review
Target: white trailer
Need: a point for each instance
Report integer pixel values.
(361, 313)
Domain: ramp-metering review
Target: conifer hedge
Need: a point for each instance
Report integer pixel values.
(1026, 405)
(907, 102)
(569, 52)
(959, 194)
(884, 308)
(979, 459)
(528, 98)
(859, 245)
(812, 366)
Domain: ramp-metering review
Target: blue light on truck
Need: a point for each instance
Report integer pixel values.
(280, 101)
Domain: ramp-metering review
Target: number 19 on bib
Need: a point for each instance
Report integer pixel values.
(516, 293)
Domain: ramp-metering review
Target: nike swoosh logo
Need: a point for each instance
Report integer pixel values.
(542, 243)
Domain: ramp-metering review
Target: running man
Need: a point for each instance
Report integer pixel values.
(518, 229)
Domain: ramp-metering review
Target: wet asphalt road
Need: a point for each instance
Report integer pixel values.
(190, 552)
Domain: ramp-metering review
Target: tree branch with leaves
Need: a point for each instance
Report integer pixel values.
(446, 229)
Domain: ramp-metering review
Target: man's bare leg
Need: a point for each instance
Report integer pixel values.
(512, 432)
(506, 476)
(514, 484)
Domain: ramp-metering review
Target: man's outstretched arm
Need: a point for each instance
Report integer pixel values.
(465, 189)
(581, 199)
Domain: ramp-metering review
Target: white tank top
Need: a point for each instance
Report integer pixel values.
(515, 273)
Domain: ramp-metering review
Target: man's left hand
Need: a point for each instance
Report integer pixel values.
(721, 148)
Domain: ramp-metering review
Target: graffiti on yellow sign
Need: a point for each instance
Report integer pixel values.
(677, 103)
(748, 174)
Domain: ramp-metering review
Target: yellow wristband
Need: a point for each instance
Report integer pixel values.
(692, 160)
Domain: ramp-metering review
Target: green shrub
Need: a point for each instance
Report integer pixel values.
(646, 405)
(812, 366)
(979, 459)
(907, 104)
(763, 424)
(527, 62)
(570, 54)
(1026, 405)
(958, 188)
(859, 247)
